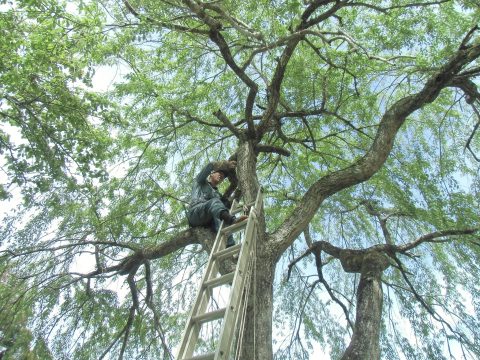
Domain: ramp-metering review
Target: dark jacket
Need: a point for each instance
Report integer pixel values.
(202, 190)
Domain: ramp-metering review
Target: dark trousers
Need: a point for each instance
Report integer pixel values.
(208, 214)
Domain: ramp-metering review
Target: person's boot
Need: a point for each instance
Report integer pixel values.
(226, 217)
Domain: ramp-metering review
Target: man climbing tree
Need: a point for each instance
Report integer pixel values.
(207, 206)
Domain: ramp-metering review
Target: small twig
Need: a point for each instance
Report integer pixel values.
(475, 128)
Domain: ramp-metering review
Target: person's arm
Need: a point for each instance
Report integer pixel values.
(225, 166)
(202, 176)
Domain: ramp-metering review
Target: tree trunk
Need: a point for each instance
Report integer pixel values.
(257, 336)
(257, 330)
(366, 333)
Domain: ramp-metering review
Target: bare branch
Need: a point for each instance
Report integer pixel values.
(151, 306)
(125, 329)
(319, 265)
(283, 60)
(431, 237)
(295, 261)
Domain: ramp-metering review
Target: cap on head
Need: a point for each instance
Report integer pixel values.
(220, 172)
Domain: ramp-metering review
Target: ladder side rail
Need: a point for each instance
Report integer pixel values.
(230, 326)
(234, 305)
(259, 200)
(240, 320)
(191, 330)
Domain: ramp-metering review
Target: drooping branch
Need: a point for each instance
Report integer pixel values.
(151, 306)
(123, 332)
(435, 315)
(319, 265)
(128, 327)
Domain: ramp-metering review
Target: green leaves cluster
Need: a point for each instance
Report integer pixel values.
(49, 117)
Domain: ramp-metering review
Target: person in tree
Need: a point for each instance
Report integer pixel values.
(207, 206)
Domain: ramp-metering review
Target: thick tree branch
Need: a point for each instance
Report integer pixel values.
(349, 258)
(190, 236)
(373, 160)
(272, 149)
(223, 118)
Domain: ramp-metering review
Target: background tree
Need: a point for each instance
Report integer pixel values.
(358, 119)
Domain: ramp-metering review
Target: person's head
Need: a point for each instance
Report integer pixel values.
(216, 177)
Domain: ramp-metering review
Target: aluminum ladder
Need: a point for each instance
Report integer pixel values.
(230, 315)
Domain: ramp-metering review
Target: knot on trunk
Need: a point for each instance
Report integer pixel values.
(363, 261)
(374, 262)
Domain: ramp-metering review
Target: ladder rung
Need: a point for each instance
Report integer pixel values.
(235, 227)
(221, 280)
(225, 253)
(240, 208)
(209, 356)
(211, 316)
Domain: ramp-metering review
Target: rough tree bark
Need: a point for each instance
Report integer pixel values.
(365, 342)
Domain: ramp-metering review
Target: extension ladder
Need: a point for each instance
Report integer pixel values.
(238, 279)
